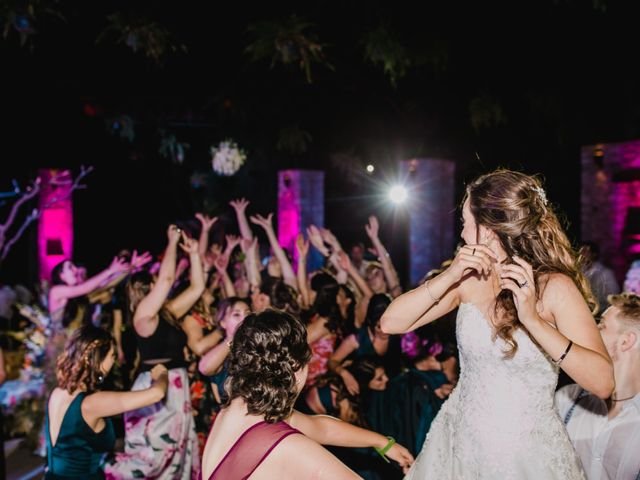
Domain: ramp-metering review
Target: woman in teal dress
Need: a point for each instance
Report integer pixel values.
(78, 429)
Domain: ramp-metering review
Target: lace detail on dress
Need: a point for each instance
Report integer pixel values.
(500, 421)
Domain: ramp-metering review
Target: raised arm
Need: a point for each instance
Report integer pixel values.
(390, 274)
(222, 264)
(251, 261)
(117, 333)
(302, 247)
(137, 262)
(151, 304)
(328, 430)
(240, 207)
(107, 404)
(287, 271)
(61, 293)
(346, 265)
(315, 238)
(206, 223)
(181, 304)
(437, 296)
(575, 343)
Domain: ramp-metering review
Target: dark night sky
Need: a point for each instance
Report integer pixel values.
(563, 72)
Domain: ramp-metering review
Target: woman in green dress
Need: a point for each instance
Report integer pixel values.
(78, 429)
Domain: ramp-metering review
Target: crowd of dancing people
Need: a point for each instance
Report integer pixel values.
(236, 361)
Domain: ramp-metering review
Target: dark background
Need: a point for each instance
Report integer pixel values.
(515, 84)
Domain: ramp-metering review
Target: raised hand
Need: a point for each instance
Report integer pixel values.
(373, 227)
(189, 245)
(314, 236)
(344, 261)
(173, 233)
(118, 265)
(138, 261)
(206, 221)
(331, 239)
(240, 204)
(520, 280)
(302, 246)
(264, 222)
(477, 258)
(232, 242)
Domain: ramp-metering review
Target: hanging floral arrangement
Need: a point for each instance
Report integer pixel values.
(227, 158)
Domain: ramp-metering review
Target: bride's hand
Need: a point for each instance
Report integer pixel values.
(477, 258)
(519, 279)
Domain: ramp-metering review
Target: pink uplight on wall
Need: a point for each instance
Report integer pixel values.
(611, 201)
(300, 204)
(55, 227)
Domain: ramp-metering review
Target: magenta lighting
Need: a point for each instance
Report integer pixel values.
(55, 228)
(610, 201)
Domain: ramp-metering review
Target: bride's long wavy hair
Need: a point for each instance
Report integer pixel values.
(514, 206)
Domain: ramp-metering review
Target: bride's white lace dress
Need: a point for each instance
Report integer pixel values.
(500, 422)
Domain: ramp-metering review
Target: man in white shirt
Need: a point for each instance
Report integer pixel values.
(606, 434)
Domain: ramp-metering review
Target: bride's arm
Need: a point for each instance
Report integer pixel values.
(437, 296)
(576, 336)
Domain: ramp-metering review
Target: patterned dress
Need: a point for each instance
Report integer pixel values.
(321, 351)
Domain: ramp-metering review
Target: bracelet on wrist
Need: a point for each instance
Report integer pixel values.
(433, 299)
(562, 357)
(382, 451)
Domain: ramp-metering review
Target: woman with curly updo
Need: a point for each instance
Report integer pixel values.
(523, 312)
(78, 428)
(258, 435)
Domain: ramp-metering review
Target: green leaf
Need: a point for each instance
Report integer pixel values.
(137, 474)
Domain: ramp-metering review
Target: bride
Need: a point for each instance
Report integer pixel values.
(522, 314)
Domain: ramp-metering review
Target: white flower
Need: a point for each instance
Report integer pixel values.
(227, 158)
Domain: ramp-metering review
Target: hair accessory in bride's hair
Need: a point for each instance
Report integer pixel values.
(541, 193)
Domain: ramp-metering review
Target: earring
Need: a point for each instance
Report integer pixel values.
(100, 379)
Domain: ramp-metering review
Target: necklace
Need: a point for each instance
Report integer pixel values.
(622, 399)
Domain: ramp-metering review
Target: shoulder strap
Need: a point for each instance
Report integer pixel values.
(250, 450)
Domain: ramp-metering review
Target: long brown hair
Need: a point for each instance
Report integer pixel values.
(78, 368)
(514, 206)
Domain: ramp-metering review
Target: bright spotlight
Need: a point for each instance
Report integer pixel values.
(398, 194)
(370, 168)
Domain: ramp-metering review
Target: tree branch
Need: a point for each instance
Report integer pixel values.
(36, 213)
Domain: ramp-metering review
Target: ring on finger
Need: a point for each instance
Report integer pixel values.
(474, 252)
(523, 284)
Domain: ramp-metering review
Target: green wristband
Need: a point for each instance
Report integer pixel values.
(386, 448)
